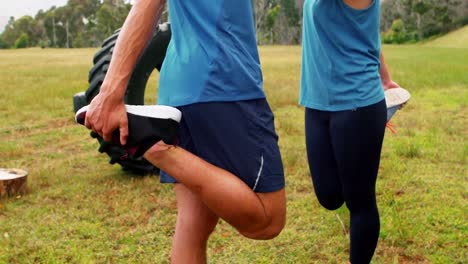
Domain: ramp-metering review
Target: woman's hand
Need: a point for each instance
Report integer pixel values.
(389, 85)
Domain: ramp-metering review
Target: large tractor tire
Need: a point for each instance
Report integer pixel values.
(152, 58)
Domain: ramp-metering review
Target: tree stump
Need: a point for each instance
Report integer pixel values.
(12, 182)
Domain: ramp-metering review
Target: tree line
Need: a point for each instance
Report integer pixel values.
(415, 20)
(85, 23)
(79, 23)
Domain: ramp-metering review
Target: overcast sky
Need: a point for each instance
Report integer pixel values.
(19, 8)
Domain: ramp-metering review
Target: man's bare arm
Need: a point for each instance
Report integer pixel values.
(133, 37)
(107, 111)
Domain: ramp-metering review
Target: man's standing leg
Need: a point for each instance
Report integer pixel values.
(195, 223)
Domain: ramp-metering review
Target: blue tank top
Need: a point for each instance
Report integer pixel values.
(212, 55)
(340, 56)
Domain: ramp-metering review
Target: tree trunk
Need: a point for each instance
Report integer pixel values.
(54, 39)
(419, 26)
(68, 34)
(12, 182)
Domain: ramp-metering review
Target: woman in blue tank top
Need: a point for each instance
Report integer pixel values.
(342, 82)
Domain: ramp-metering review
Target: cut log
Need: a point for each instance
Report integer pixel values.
(12, 182)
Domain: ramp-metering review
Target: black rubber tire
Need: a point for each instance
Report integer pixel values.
(152, 58)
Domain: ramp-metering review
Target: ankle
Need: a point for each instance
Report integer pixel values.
(158, 149)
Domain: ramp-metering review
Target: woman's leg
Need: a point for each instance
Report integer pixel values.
(322, 162)
(357, 138)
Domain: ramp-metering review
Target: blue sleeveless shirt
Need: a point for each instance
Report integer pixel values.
(340, 56)
(212, 55)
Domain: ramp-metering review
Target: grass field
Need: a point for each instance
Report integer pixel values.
(80, 209)
(455, 39)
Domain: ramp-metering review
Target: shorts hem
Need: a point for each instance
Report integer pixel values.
(266, 189)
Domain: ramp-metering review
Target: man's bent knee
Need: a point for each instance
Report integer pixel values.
(274, 205)
(267, 233)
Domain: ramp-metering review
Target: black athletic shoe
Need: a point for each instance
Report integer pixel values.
(147, 124)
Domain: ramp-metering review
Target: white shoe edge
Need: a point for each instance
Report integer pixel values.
(81, 110)
(396, 96)
(155, 111)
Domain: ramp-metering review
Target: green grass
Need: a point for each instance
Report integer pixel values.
(455, 39)
(79, 209)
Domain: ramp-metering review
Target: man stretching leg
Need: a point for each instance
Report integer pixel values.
(227, 164)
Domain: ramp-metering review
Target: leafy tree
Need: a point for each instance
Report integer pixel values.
(420, 8)
(3, 44)
(10, 35)
(111, 15)
(445, 14)
(291, 12)
(270, 22)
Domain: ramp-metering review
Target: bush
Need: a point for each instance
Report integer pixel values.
(397, 33)
(43, 43)
(22, 42)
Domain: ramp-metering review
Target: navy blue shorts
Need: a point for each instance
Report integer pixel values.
(237, 136)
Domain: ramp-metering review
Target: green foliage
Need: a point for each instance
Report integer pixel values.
(3, 44)
(272, 16)
(22, 41)
(424, 18)
(291, 12)
(110, 16)
(10, 35)
(269, 34)
(421, 7)
(43, 44)
(396, 34)
(278, 21)
(80, 23)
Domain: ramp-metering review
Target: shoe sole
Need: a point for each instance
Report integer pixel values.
(153, 111)
(147, 124)
(396, 97)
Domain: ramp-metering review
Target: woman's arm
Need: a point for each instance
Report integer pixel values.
(387, 82)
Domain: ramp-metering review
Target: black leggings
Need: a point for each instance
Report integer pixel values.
(343, 150)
